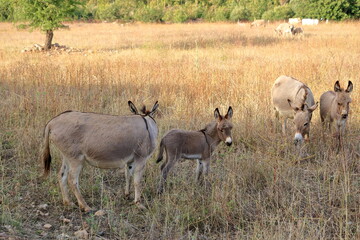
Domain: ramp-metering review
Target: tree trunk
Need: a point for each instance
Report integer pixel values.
(48, 40)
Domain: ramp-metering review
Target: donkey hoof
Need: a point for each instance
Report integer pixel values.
(127, 196)
(68, 203)
(140, 206)
(87, 209)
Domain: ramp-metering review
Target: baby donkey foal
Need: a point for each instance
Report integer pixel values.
(194, 145)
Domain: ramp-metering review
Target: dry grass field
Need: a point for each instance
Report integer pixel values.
(257, 189)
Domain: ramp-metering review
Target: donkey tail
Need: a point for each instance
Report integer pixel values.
(161, 152)
(45, 156)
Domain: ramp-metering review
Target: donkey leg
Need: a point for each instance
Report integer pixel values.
(170, 162)
(277, 120)
(199, 170)
(127, 181)
(206, 164)
(63, 178)
(284, 127)
(74, 172)
(206, 168)
(138, 173)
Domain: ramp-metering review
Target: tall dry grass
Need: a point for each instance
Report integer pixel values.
(257, 189)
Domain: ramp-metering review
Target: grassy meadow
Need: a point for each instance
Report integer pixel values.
(257, 189)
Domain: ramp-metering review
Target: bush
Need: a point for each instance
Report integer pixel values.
(176, 14)
(194, 11)
(279, 13)
(149, 14)
(214, 14)
(6, 10)
(240, 13)
(107, 11)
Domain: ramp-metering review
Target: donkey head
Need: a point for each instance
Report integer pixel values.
(342, 99)
(302, 119)
(224, 126)
(144, 111)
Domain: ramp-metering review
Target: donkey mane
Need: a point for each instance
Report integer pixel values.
(210, 128)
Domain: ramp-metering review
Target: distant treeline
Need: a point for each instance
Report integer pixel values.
(208, 10)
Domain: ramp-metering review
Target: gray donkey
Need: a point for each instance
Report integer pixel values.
(103, 141)
(194, 145)
(335, 107)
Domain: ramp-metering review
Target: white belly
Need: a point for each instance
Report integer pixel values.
(191, 156)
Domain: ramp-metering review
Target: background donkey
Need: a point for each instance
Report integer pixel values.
(293, 99)
(194, 145)
(335, 106)
(104, 141)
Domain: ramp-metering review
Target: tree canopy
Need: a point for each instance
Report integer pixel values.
(45, 15)
(48, 14)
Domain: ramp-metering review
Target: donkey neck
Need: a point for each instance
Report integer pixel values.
(210, 132)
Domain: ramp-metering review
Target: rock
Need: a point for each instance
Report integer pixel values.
(66, 220)
(41, 213)
(100, 213)
(63, 236)
(76, 228)
(81, 234)
(47, 226)
(9, 228)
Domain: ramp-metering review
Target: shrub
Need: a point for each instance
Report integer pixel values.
(107, 11)
(149, 14)
(6, 10)
(240, 13)
(279, 13)
(194, 11)
(176, 14)
(214, 14)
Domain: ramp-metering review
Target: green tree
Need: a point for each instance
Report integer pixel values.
(6, 10)
(326, 9)
(279, 13)
(46, 15)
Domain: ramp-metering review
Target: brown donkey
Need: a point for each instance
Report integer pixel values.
(194, 145)
(334, 107)
(103, 141)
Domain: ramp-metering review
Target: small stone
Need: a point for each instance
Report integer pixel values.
(47, 226)
(63, 236)
(81, 234)
(66, 220)
(100, 213)
(41, 213)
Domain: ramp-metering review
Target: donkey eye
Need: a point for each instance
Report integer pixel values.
(305, 124)
(339, 104)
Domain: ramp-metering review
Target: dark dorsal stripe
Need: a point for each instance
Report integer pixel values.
(147, 126)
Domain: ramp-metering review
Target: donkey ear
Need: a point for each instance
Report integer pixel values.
(313, 107)
(153, 110)
(337, 87)
(293, 107)
(133, 109)
(229, 113)
(217, 114)
(349, 88)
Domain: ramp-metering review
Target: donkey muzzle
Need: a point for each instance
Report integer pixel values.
(228, 141)
(298, 139)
